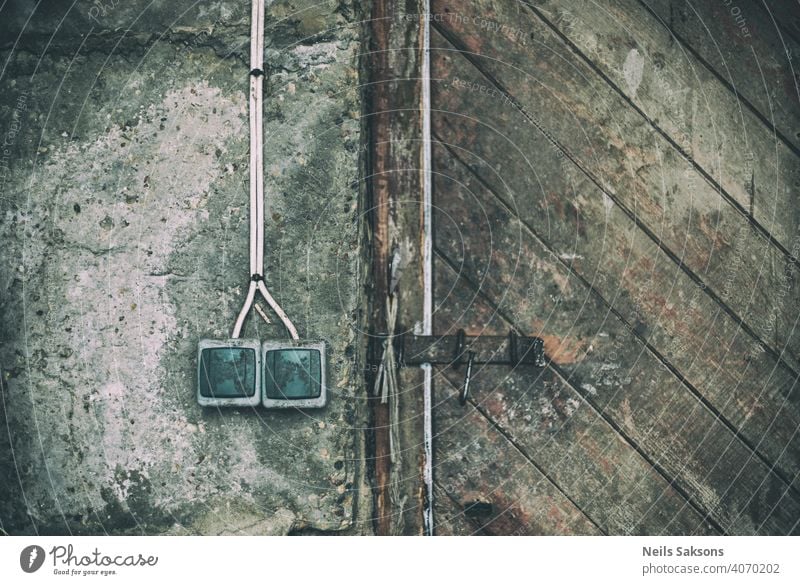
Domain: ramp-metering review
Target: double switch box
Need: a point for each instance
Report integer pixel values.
(248, 372)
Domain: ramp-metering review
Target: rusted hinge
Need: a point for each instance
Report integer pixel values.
(508, 350)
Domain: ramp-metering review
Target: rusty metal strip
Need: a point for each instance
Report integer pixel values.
(508, 350)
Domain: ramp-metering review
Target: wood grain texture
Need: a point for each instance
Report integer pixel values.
(554, 425)
(680, 323)
(744, 47)
(394, 151)
(675, 91)
(596, 130)
(450, 519)
(600, 356)
(475, 463)
(786, 13)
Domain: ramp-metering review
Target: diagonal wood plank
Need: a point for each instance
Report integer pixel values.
(553, 424)
(741, 44)
(600, 356)
(669, 85)
(475, 463)
(749, 390)
(784, 13)
(592, 127)
(450, 519)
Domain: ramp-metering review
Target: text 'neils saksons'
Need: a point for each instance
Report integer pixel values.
(678, 551)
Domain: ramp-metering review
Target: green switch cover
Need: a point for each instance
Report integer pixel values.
(294, 375)
(228, 372)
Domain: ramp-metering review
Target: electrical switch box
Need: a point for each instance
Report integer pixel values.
(229, 372)
(294, 374)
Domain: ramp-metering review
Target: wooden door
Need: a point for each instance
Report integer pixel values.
(590, 189)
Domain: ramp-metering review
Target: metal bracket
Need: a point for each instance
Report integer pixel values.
(510, 350)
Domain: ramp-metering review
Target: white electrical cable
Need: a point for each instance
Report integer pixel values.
(257, 178)
(427, 263)
(254, 178)
(248, 303)
(258, 63)
(278, 311)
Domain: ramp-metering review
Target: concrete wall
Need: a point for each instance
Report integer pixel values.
(123, 240)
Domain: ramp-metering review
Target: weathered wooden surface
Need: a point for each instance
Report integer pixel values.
(476, 463)
(450, 519)
(614, 147)
(605, 361)
(743, 46)
(551, 422)
(785, 13)
(682, 98)
(394, 173)
(682, 325)
(600, 184)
